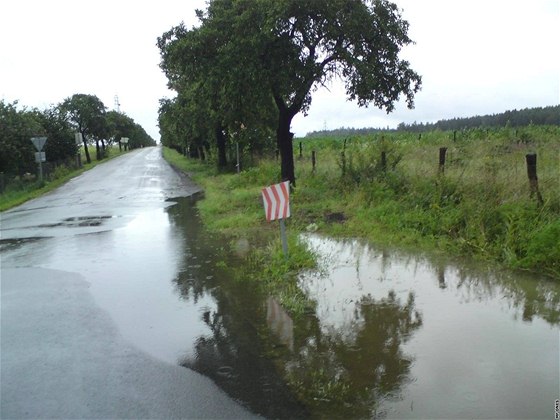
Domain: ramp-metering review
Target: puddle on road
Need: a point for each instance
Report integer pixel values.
(7, 245)
(394, 335)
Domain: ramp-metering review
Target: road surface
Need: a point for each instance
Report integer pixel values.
(86, 279)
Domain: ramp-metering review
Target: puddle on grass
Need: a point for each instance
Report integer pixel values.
(417, 337)
(393, 334)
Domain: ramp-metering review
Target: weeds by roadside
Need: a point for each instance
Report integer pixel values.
(390, 189)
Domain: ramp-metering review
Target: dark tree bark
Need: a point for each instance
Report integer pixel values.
(284, 140)
(97, 150)
(88, 158)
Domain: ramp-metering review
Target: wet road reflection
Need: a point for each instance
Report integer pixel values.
(234, 354)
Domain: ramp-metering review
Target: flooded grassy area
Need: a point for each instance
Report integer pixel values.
(385, 333)
(393, 328)
(389, 188)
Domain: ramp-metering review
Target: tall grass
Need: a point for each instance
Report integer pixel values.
(480, 205)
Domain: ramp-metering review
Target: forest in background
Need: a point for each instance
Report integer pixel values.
(548, 115)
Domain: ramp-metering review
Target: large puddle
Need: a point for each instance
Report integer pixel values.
(393, 335)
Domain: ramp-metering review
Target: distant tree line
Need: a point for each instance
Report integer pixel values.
(549, 115)
(80, 113)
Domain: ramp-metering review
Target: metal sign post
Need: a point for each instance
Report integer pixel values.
(237, 153)
(40, 157)
(283, 236)
(276, 199)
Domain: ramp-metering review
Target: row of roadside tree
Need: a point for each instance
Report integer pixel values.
(80, 113)
(250, 66)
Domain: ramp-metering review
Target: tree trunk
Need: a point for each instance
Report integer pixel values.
(221, 145)
(97, 150)
(193, 152)
(284, 139)
(88, 158)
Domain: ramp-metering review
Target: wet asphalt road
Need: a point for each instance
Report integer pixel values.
(74, 331)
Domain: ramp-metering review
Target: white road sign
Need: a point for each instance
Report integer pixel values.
(39, 142)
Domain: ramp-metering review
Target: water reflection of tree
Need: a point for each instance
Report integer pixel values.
(233, 355)
(347, 373)
(530, 295)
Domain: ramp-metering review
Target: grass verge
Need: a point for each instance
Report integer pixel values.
(479, 204)
(232, 206)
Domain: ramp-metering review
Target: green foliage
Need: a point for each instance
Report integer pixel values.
(368, 160)
(233, 206)
(278, 273)
(16, 129)
(61, 144)
(485, 125)
(212, 101)
(480, 205)
(82, 113)
(86, 114)
(121, 125)
(543, 249)
(263, 69)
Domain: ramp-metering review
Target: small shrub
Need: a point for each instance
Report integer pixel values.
(543, 249)
(60, 171)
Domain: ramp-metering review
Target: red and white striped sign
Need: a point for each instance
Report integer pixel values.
(276, 200)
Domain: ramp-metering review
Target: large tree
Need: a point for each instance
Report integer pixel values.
(87, 115)
(61, 143)
(213, 102)
(17, 126)
(288, 48)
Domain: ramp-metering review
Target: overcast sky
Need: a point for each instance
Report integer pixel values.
(475, 56)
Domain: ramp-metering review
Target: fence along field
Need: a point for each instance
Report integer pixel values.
(494, 193)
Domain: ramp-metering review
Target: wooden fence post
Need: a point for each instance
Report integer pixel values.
(343, 158)
(531, 159)
(300, 150)
(442, 152)
(313, 159)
